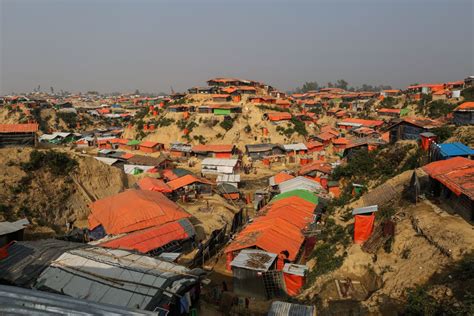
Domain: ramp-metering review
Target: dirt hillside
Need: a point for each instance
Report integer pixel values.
(51, 200)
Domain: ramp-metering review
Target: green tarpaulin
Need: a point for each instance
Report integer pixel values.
(404, 112)
(222, 111)
(306, 195)
(133, 143)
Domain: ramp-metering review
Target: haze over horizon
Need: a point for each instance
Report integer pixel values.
(109, 46)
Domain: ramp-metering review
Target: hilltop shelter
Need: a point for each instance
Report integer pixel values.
(410, 128)
(364, 219)
(451, 181)
(18, 134)
(464, 114)
(133, 210)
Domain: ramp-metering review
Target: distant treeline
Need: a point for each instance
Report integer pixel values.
(342, 84)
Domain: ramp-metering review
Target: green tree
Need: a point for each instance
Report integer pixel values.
(341, 84)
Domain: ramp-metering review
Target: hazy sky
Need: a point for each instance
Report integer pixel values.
(153, 45)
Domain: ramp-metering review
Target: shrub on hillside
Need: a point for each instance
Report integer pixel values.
(58, 163)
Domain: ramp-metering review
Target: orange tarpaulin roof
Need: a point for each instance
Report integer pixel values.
(151, 238)
(313, 144)
(134, 210)
(19, 128)
(148, 144)
(385, 110)
(281, 177)
(318, 165)
(273, 235)
(466, 106)
(184, 181)
(456, 173)
(152, 184)
(278, 116)
(340, 141)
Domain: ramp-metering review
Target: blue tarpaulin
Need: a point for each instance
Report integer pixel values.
(449, 150)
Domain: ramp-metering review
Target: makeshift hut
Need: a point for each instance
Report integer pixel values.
(451, 181)
(364, 222)
(248, 269)
(18, 134)
(216, 166)
(464, 114)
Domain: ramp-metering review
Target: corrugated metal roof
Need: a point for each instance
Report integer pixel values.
(10, 227)
(365, 209)
(19, 301)
(455, 149)
(254, 259)
(300, 183)
(279, 308)
(291, 147)
(115, 277)
(219, 162)
(107, 161)
(27, 259)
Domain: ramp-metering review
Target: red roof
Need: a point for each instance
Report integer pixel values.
(169, 174)
(220, 95)
(318, 165)
(153, 184)
(281, 177)
(149, 144)
(279, 116)
(184, 181)
(151, 238)
(127, 156)
(19, 128)
(273, 235)
(120, 141)
(326, 136)
(385, 110)
(213, 148)
(340, 141)
(422, 122)
(313, 144)
(329, 129)
(134, 210)
(456, 173)
(466, 106)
